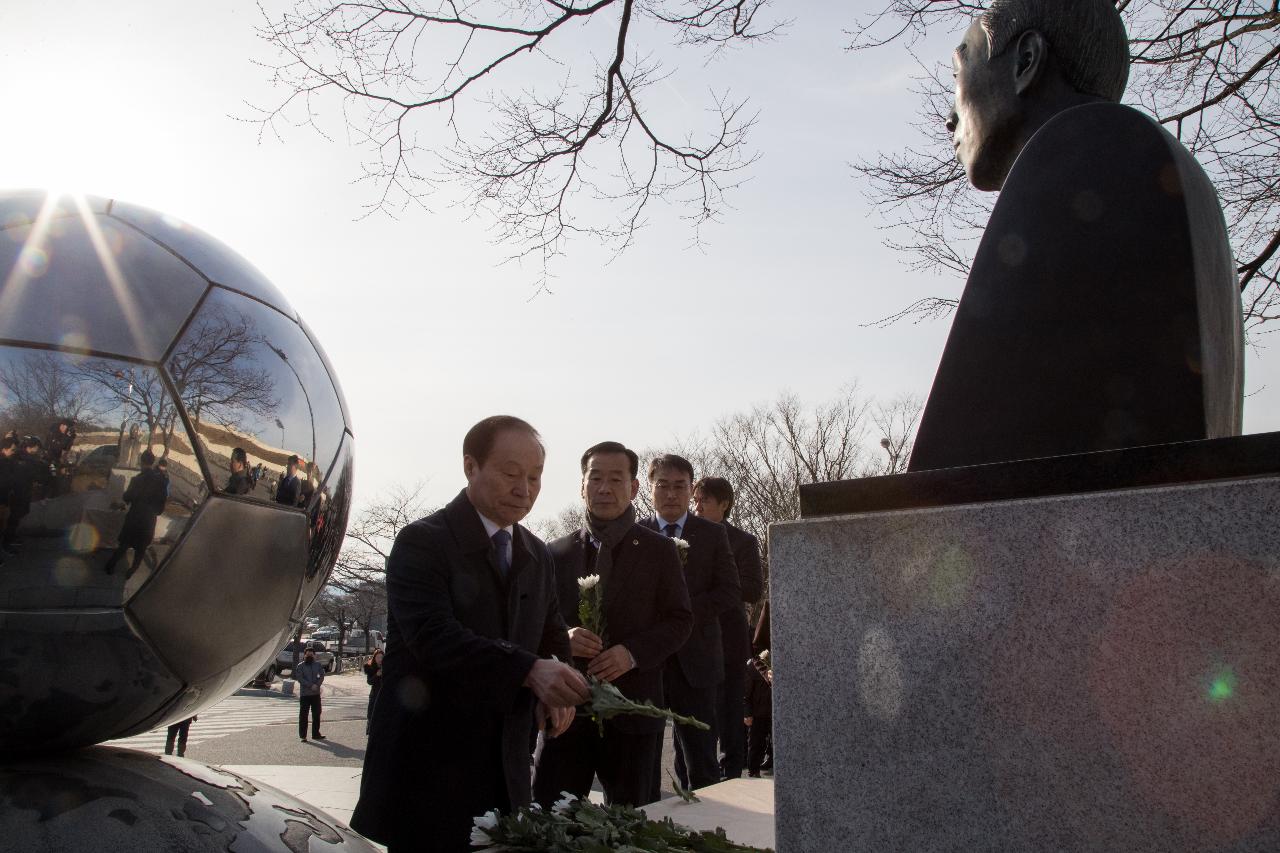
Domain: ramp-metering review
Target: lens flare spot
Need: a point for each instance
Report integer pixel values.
(71, 572)
(33, 261)
(83, 538)
(951, 577)
(74, 341)
(1222, 686)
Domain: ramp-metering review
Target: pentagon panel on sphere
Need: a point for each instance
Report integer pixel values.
(90, 283)
(214, 260)
(172, 500)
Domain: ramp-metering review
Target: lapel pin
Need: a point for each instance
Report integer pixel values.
(635, 541)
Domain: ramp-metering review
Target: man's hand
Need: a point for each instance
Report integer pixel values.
(612, 663)
(747, 721)
(584, 644)
(554, 721)
(557, 685)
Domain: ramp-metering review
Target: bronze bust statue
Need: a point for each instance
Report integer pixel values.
(1102, 309)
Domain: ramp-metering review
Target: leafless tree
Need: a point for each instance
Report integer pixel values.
(216, 374)
(895, 422)
(549, 104)
(1209, 71)
(370, 535)
(39, 388)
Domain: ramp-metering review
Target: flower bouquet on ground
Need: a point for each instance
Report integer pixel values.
(581, 826)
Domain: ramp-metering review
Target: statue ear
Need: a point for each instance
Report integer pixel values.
(1032, 57)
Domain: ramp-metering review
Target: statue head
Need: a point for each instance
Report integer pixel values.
(1022, 62)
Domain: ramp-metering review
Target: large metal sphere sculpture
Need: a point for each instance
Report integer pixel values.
(124, 331)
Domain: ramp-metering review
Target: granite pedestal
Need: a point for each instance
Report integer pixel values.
(1089, 662)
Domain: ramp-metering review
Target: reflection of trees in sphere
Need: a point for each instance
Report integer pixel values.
(136, 594)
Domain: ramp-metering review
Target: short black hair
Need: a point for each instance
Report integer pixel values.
(671, 460)
(718, 488)
(481, 438)
(293, 459)
(147, 458)
(32, 441)
(238, 455)
(9, 441)
(612, 447)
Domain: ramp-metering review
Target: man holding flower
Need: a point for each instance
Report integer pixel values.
(622, 589)
(472, 632)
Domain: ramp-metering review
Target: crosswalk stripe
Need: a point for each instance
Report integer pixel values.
(239, 713)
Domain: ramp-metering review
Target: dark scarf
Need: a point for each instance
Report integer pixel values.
(608, 534)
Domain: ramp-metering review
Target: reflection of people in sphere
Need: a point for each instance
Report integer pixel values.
(29, 470)
(58, 451)
(240, 482)
(129, 448)
(146, 496)
(289, 489)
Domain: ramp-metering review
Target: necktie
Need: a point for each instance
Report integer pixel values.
(671, 530)
(501, 540)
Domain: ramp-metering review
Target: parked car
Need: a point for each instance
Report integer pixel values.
(354, 643)
(284, 657)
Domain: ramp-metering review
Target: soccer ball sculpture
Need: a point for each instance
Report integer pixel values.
(178, 464)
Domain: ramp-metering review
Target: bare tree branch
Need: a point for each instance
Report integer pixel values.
(544, 151)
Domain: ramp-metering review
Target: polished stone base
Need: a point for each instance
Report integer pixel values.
(743, 808)
(110, 799)
(1084, 672)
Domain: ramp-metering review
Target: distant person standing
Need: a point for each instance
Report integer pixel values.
(178, 732)
(373, 675)
(713, 500)
(759, 715)
(310, 675)
(289, 489)
(147, 494)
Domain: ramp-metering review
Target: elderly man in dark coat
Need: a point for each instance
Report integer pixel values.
(473, 624)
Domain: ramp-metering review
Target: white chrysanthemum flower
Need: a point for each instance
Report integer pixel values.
(589, 582)
(563, 804)
(764, 656)
(486, 821)
(681, 544)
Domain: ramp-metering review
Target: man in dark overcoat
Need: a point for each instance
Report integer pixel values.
(693, 674)
(647, 617)
(713, 500)
(147, 495)
(472, 625)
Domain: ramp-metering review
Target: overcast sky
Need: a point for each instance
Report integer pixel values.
(427, 330)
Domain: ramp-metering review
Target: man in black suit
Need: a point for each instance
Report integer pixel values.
(713, 500)
(647, 617)
(473, 622)
(692, 676)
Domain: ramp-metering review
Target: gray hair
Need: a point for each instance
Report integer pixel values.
(1087, 37)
